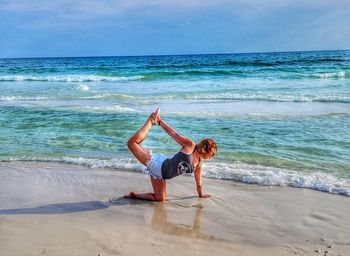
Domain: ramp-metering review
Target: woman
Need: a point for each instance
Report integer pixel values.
(160, 168)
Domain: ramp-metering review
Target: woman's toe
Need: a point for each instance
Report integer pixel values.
(130, 195)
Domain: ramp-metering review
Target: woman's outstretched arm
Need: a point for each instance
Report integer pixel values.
(198, 178)
(182, 140)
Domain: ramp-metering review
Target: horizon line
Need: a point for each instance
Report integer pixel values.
(164, 55)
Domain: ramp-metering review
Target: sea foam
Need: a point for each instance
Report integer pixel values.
(333, 75)
(21, 98)
(235, 171)
(122, 162)
(271, 97)
(71, 78)
(83, 87)
(271, 176)
(115, 108)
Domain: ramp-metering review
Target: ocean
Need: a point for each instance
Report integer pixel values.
(278, 118)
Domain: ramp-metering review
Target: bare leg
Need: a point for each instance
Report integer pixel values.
(134, 142)
(144, 156)
(141, 196)
(159, 188)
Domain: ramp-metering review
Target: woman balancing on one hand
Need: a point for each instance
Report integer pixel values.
(161, 168)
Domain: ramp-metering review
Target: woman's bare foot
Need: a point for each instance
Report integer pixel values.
(157, 115)
(154, 117)
(131, 195)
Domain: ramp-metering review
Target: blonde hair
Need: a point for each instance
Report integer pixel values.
(207, 148)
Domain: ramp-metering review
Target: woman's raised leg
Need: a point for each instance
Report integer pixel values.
(142, 154)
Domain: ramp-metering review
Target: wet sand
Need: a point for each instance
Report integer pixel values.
(61, 209)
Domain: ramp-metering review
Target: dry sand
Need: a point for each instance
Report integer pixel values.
(59, 209)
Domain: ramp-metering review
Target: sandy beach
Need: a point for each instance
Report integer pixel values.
(61, 209)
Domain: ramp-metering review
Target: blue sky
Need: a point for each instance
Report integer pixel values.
(125, 27)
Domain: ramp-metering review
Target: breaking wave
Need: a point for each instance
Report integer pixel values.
(71, 78)
(236, 171)
(270, 176)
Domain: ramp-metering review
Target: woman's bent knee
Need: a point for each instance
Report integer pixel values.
(160, 198)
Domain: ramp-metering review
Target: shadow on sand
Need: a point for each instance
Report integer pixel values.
(63, 208)
(159, 220)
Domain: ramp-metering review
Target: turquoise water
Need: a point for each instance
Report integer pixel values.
(278, 118)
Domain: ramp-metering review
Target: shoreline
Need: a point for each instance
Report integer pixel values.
(232, 172)
(58, 209)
